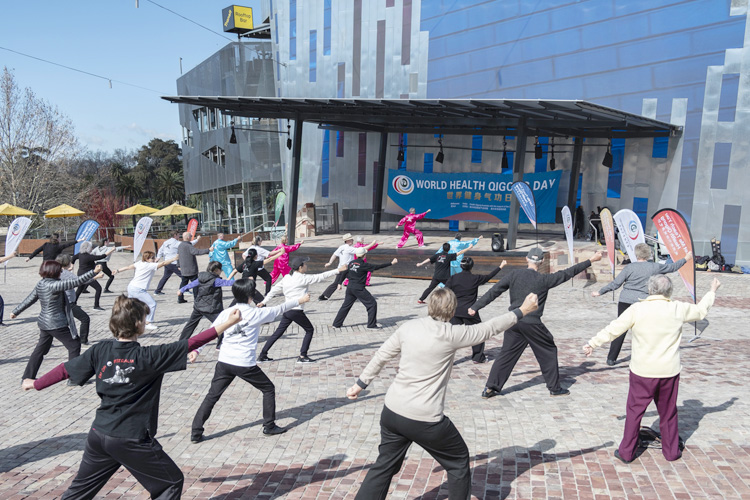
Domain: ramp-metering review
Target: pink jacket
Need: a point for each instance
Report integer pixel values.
(283, 261)
(410, 221)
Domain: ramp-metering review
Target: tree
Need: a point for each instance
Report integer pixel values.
(130, 187)
(37, 145)
(170, 186)
(157, 156)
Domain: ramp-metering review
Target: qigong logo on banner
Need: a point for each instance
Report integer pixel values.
(469, 196)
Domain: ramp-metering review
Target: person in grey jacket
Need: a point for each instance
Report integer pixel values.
(634, 282)
(53, 319)
(186, 253)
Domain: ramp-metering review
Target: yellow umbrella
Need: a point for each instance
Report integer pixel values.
(62, 211)
(8, 209)
(137, 210)
(175, 209)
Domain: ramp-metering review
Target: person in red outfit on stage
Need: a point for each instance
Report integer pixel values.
(410, 227)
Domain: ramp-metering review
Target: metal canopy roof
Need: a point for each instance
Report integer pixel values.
(448, 116)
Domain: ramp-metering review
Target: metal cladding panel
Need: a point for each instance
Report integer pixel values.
(256, 155)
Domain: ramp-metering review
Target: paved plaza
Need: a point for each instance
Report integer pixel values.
(523, 444)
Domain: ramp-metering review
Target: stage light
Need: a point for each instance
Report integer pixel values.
(289, 133)
(233, 137)
(552, 154)
(607, 161)
(440, 156)
(400, 156)
(538, 153)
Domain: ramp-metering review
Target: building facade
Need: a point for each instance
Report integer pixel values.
(679, 61)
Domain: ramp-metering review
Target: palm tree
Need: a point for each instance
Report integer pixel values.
(130, 187)
(170, 186)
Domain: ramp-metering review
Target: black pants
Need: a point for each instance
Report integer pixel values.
(2, 309)
(169, 270)
(352, 295)
(45, 342)
(97, 288)
(106, 270)
(431, 287)
(263, 274)
(185, 280)
(616, 345)
(224, 374)
(195, 318)
(80, 315)
(144, 458)
(340, 277)
(515, 341)
(440, 439)
(296, 316)
(477, 351)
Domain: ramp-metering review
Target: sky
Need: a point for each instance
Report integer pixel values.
(137, 46)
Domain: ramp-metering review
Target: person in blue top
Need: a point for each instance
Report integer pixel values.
(456, 246)
(220, 252)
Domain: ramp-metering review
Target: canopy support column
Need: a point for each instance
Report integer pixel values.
(575, 171)
(291, 215)
(377, 202)
(518, 160)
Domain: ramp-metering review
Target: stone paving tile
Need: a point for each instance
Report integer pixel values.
(523, 444)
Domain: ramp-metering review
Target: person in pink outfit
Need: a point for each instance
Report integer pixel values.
(410, 227)
(359, 243)
(281, 265)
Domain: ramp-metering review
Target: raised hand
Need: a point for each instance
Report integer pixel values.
(234, 317)
(597, 257)
(304, 298)
(394, 262)
(530, 304)
(689, 255)
(353, 391)
(98, 268)
(715, 284)
(503, 264)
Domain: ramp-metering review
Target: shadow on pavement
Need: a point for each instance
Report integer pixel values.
(510, 463)
(568, 375)
(280, 481)
(24, 453)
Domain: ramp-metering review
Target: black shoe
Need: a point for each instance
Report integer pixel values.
(322, 297)
(376, 327)
(305, 359)
(159, 293)
(85, 342)
(273, 429)
(263, 359)
(85, 291)
(488, 393)
(618, 457)
(98, 308)
(560, 392)
(486, 359)
(183, 301)
(610, 362)
(196, 439)
(108, 291)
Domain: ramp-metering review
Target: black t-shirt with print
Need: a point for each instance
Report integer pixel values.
(442, 263)
(250, 269)
(128, 380)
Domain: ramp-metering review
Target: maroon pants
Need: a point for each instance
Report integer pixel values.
(663, 392)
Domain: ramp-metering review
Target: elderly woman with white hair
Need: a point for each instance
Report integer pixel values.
(656, 323)
(634, 280)
(87, 261)
(414, 403)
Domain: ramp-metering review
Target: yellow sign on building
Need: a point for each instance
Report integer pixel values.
(237, 19)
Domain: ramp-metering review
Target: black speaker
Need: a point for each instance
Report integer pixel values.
(498, 244)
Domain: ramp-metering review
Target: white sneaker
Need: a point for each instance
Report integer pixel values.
(151, 327)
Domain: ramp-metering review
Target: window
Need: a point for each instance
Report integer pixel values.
(326, 27)
(216, 155)
(476, 149)
(292, 30)
(313, 55)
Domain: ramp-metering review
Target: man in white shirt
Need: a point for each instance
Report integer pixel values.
(293, 286)
(237, 358)
(345, 254)
(168, 250)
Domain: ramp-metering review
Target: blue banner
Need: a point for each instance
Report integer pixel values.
(86, 230)
(469, 196)
(525, 199)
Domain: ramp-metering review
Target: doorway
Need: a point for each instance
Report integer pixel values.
(236, 215)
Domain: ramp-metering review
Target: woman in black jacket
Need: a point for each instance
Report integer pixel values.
(52, 248)
(53, 319)
(87, 262)
(466, 286)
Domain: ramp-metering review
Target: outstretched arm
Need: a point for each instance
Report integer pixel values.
(491, 294)
(461, 252)
(34, 253)
(388, 351)
(168, 261)
(423, 263)
(5, 259)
